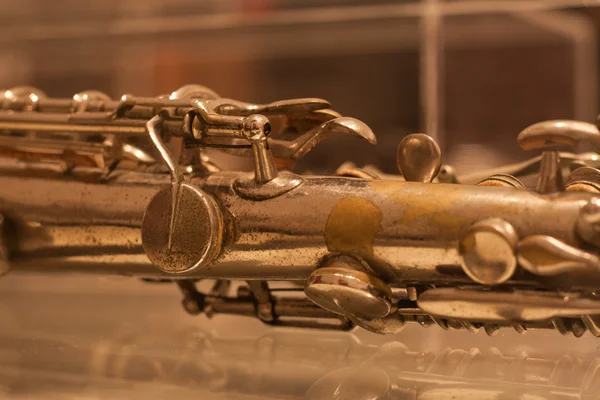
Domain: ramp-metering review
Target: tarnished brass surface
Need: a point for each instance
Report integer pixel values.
(92, 185)
(488, 251)
(549, 134)
(197, 234)
(352, 225)
(341, 287)
(419, 158)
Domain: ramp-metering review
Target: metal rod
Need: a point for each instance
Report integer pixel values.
(50, 122)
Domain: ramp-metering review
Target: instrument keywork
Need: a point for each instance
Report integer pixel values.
(101, 186)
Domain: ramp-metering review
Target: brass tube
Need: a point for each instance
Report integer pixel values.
(409, 230)
(50, 122)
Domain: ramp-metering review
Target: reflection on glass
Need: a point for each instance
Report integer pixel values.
(283, 364)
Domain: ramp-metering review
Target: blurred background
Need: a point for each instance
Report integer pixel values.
(472, 73)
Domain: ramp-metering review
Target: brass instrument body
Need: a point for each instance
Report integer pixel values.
(84, 226)
(92, 185)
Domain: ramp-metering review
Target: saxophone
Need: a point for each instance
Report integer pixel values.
(101, 186)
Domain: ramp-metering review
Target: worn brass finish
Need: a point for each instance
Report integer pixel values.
(523, 305)
(547, 256)
(584, 179)
(419, 158)
(488, 251)
(346, 291)
(94, 185)
(551, 134)
(197, 230)
(550, 179)
(588, 223)
(501, 180)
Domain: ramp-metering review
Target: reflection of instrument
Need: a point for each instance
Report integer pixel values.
(289, 364)
(122, 187)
